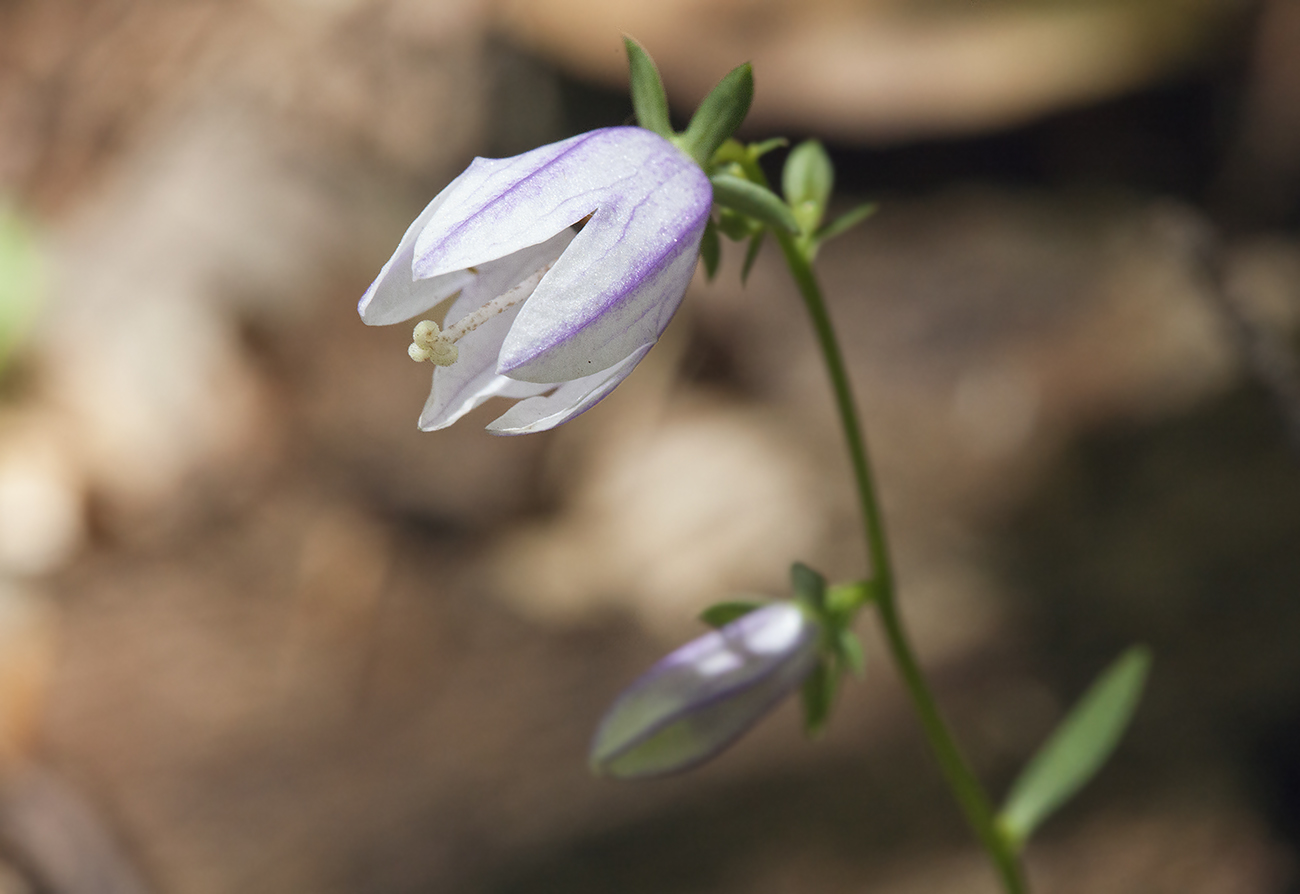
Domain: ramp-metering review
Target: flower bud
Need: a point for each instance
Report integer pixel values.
(701, 698)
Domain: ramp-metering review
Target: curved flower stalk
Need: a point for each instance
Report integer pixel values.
(701, 698)
(538, 311)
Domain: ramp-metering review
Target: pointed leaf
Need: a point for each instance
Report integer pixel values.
(753, 200)
(758, 150)
(719, 115)
(751, 255)
(710, 249)
(723, 613)
(846, 221)
(649, 100)
(1078, 747)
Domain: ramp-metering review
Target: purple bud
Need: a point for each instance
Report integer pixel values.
(701, 698)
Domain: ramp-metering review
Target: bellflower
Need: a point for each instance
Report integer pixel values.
(562, 266)
(701, 698)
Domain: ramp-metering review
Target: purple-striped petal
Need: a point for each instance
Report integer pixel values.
(607, 296)
(701, 698)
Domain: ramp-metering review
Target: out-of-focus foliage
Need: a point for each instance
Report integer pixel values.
(20, 281)
(1078, 748)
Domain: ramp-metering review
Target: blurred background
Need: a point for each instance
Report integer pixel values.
(259, 634)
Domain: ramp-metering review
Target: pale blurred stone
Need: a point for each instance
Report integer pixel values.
(703, 503)
(246, 185)
(42, 505)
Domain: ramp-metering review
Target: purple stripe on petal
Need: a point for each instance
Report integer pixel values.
(700, 698)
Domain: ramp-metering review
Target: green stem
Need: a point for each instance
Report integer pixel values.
(965, 786)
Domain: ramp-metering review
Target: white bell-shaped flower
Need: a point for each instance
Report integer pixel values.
(565, 265)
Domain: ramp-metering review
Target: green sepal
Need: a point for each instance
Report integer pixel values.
(818, 696)
(719, 115)
(735, 153)
(809, 587)
(736, 226)
(723, 613)
(846, 221)
(649, 101)
(710, 249)
(848, 648)
(807, 180)
(751, 255)
(845, 599)
(732, 152)
(753, 200)
(1077, 748)
(758, 150)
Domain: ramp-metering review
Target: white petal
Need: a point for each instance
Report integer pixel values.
(500, 276)
(390, 300)
(394, 295)
(567, 401)
(473, 378)
(569, 326)
(498, 206)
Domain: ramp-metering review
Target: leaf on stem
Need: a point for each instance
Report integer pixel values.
(753, 200)
(758, 150)
(819, 696)
(751, 255)
(1078, 747)
(710, 250)
(649, 100)
(846, 221)
(719, 114)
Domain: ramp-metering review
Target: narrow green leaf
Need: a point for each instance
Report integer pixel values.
(753, 200)
(21, 281)
(751, 255)
(818, 697)
(723, 613)
(846, 221)
(758, 150)
(1078, 747)
(807, 179)
(649, 100)
(719, 114)
(710, 250)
